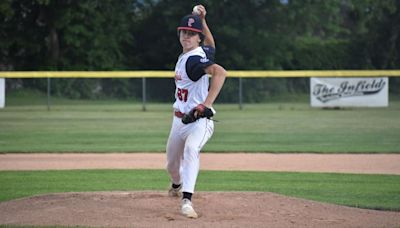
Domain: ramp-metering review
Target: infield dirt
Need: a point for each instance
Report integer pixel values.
(330, 163)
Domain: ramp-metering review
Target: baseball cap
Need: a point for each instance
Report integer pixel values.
(192, 23)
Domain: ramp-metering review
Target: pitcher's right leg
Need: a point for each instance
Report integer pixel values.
(174, 150)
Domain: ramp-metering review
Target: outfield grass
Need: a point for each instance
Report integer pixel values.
(364, 191)
(115, 126)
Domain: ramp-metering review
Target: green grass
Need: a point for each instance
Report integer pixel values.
(295, 127)
(115, 126)
(365, 191)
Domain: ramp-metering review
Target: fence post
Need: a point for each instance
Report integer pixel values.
(143, 94)
(48, 93)
(240, 93)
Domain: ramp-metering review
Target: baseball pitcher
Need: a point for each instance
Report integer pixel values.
(192, 125)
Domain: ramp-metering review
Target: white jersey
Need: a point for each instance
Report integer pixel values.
(190, 78)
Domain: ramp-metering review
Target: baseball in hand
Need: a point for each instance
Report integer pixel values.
(196, 10)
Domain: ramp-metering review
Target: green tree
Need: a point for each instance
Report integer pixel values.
(65, 35)
(250, 35)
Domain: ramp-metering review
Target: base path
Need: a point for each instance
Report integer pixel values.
(337, 163)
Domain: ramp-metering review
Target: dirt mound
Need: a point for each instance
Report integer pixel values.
(216, 209)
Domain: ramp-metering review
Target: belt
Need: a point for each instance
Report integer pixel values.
(179, 114)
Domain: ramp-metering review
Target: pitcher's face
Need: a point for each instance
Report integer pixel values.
(189, 40)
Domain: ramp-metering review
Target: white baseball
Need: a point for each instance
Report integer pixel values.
(196, 10)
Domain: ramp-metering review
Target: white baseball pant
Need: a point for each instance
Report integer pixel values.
(183, 150)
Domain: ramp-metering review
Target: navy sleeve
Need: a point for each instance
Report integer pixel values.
(210, 52)
(195, 65)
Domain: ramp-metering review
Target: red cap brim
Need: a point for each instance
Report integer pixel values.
(189, 28)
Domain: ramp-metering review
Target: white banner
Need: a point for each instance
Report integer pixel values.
(2, 92)
(349, 92)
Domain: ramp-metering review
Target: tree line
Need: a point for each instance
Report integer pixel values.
(62, 35)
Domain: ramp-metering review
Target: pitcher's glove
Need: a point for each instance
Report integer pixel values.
(200, 111)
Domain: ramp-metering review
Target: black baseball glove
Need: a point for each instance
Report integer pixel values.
(200, 111)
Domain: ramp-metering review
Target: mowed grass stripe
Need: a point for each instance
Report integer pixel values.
(273, 127)
(364, 191)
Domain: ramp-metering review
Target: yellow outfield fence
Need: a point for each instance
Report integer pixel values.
(169, 74)
(241, 74)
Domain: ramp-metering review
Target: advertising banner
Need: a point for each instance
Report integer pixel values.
(349, 92)
(2, 92)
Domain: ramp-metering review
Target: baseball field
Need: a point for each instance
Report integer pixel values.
(357, 193)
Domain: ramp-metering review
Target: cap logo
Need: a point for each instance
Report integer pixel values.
(190, 22)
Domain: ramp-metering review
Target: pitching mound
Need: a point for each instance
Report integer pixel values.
(216, 209)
